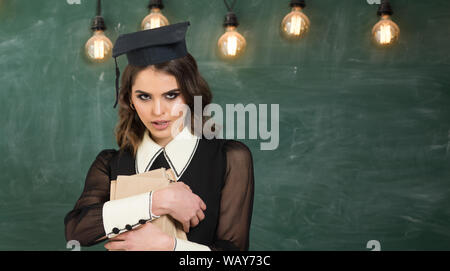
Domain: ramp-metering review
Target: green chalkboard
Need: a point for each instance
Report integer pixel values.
(364, 151)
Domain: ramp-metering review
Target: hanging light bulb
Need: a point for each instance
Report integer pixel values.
(98, 48)
(385, 32)
(231, 44)
(155, 19)
(296, 24)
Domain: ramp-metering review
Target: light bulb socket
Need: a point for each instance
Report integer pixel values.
(297, 3)
(385, 9)
(98, 24)
(230, 19)
(156, 4)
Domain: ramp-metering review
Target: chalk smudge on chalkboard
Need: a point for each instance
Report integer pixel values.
(118, 28)
(10, 43)
(411, 219)
(78, 82)
(39, 23)
(437, 147)
(295, 141)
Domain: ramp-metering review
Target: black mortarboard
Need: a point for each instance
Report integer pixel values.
(151, 46)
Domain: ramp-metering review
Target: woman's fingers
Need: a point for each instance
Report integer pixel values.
(115, 245)
(202, 205)
(194, 221)
(185, 206)
(186, 226)
(200, 215)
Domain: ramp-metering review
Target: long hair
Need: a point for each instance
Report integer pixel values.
(130, 129)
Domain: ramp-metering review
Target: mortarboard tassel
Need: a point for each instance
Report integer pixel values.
(117, 82)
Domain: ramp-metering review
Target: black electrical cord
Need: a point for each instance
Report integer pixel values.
(297, 3)
(98, 23)
(156, 4)
(385, 8)
(99, 8)
(230, 18)
(230, 8)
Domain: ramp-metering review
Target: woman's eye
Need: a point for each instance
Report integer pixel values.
(144, 97)
(172, 96)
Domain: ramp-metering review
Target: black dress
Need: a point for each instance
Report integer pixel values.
(219, 171)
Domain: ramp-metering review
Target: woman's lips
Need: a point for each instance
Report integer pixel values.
(160, 125)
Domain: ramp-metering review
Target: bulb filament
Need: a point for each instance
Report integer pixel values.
(296, 25)
(99, 49)
(232, 45)
(385, 34)
(155, 23)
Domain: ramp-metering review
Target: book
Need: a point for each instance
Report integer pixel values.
(126, 186)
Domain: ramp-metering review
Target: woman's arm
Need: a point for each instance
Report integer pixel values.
(95, 216)
(85, 223)
(236, 204)
(176, 200)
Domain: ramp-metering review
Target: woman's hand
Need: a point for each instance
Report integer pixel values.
(146, 237)
(178, 201)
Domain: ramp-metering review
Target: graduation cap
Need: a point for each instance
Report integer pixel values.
(150, 47)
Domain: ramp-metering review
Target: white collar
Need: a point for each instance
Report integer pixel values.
(178, 152)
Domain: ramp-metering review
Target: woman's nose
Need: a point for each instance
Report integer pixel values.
(157, 109)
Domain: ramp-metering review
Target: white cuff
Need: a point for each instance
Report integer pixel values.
(152, 216)
(185, 245)
(124, 214)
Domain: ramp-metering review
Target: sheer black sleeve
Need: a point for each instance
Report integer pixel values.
(85, 222)
(236, 204)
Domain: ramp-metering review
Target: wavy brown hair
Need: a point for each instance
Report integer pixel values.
(130, 129)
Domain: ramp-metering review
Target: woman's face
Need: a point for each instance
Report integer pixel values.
(155, 94)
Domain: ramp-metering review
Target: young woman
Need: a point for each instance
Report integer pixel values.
(213, 198)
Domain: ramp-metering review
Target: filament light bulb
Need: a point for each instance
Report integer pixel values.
(98, 48)
(231, 44)
(385, 32)
(296, 24)
(154, 20)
